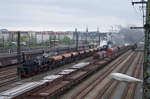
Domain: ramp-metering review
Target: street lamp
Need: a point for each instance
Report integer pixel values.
(124, 78)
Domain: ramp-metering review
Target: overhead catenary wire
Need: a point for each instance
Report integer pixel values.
(138, 10)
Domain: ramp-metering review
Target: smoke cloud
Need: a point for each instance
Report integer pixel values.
(127, 35)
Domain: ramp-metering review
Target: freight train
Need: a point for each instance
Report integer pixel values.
(51, 86)
(45, 63)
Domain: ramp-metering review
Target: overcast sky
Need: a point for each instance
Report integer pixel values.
(67, 14)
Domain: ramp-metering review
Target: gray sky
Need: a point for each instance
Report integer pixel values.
(67, 14)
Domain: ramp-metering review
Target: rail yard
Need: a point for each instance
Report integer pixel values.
(77, 75)
(101, 86)
(75, 49)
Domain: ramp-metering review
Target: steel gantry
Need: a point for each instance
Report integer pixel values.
(146, 66)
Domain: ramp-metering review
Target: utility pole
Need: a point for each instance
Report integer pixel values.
(77, 39)
(18, 56)
(146, 65)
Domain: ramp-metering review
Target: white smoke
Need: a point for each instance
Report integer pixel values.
(127, 35)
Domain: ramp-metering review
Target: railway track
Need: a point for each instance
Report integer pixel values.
(8, 75)
(57, 86)
(104, 87)
(129, 91)
(98, 80)
(7, 59)
(112, 84)
(110, 91)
